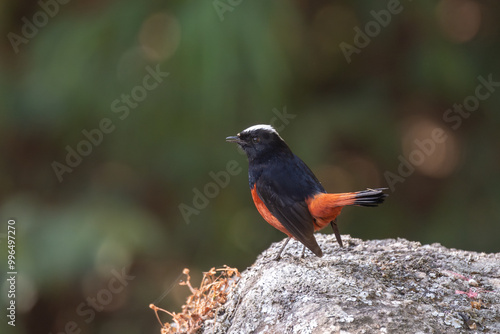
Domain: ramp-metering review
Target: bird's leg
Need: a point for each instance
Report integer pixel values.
(303, 251)
(282, 248)
(336, 231)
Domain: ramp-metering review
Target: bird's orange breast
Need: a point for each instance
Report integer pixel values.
(266, 214)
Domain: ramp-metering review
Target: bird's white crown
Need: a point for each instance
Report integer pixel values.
(264, 127)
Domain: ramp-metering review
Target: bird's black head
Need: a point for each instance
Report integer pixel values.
(260, 142)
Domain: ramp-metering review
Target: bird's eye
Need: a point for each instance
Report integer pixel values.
(255, 139)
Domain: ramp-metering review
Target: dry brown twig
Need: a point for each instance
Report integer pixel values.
(201, 305)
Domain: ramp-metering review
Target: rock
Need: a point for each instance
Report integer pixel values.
(377, 286)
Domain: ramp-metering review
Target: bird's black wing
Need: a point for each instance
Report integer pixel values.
(284, 188)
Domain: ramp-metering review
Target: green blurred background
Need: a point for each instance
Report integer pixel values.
(230, 65)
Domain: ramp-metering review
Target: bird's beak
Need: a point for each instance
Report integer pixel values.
(234, 139)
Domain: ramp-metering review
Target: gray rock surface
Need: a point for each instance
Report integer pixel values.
(378, 286)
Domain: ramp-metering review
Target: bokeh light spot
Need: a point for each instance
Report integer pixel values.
(459, 20)
(434, 158)
(160, 36)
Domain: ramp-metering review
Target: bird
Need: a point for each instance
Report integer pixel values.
(286, 192)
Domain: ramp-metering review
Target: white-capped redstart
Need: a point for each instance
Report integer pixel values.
(286, 192)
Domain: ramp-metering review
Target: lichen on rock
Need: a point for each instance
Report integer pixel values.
(377, 286)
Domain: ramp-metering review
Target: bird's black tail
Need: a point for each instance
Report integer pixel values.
(370, 197)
